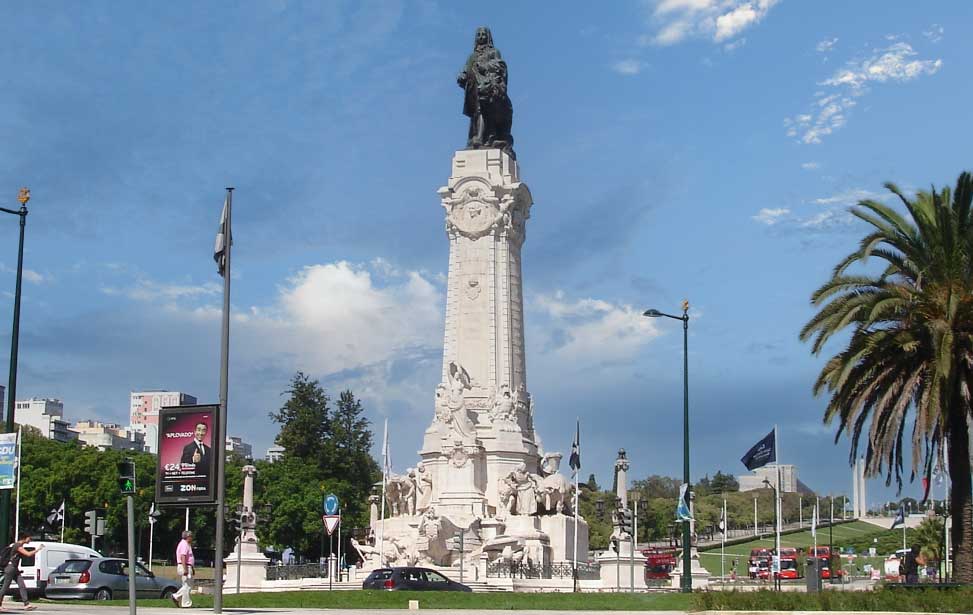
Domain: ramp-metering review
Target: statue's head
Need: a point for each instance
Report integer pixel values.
(483, 37)
(420, 467)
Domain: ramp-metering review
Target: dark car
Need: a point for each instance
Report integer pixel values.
(105, 578)
(411, 579)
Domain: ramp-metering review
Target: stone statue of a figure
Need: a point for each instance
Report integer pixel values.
(484, 79)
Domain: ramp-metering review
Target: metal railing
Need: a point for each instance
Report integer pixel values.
(294, 572)
(557, 570)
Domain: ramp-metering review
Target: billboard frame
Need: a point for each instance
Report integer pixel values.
(172, 413)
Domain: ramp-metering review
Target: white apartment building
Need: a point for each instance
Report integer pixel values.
(788, 478)
(47, 415)
(238, 446)
(275, 453)
(109, 436)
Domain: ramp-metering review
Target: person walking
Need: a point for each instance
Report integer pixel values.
(11, 572)
(910, 566)
(185, 566)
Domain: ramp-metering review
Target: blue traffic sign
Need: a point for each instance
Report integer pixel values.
(331, 504)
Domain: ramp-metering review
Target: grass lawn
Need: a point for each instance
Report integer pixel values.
(855, 531)
(441, 600)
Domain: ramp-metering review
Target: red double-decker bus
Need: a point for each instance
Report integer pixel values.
(659, 562)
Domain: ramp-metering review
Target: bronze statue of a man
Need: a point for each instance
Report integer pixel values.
(484, 80)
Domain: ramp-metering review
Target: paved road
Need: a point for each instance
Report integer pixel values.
(89, 609)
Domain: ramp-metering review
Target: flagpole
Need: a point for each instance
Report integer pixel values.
(778, 494)
(224, 385)
(20, 455)
(63, 516)
(385, 467)
(723, 545)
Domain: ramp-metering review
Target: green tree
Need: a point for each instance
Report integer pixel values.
(303, 419)
(929, 536)
(903, 378)
(722, 483)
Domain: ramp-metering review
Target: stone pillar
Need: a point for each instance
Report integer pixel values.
(621, 477)
(855, 510)
(253, 563)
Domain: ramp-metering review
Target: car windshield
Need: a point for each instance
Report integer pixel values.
(73, 565)
(788, 564)
(381, 574)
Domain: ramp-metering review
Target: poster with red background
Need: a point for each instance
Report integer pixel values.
(187, 463)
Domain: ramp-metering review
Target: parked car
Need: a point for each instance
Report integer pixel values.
(104, 578)
(411, 579)
(36, 569)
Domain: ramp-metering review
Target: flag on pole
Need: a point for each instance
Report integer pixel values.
(723, 519)
(683, 512)
(761, 453)
(223, 238)
(899, 517)
(386, 458)
(57, 514)
(575, 460)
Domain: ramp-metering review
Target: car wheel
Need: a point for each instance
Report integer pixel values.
(103, 594)
(167, 593)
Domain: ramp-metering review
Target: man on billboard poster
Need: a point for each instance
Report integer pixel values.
(197, 452)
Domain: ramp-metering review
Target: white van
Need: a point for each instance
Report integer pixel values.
(36, 569)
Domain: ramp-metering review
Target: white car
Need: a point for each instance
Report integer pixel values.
(36, 569)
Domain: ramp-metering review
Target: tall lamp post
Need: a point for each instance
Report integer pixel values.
(686, 582)
(9, 426)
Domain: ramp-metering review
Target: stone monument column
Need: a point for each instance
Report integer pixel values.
(253, 563)
(621, 478)
(483, 425)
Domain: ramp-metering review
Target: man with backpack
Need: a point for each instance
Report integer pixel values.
(10, 560)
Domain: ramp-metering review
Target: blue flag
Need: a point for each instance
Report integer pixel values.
(899, 517)
(683, 512)
(575, 459)
(761, 453)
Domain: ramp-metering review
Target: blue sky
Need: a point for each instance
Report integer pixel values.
(700, 149)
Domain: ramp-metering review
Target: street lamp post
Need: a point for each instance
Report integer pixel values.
(9, 426)
(686, 582)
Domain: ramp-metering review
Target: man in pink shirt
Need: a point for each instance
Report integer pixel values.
(185, 565)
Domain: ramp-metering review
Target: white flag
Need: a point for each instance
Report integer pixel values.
(386, 458)
(222, 233)
(723, 519)
(814, 521)
(57, 514)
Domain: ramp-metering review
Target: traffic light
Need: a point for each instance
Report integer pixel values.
(126, 476)
(91, 522)
(625, 521)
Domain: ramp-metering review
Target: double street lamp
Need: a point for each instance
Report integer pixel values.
(9, 426)
(686, 582)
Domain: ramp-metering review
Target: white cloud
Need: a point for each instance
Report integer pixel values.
(826, 45)
(934, 33)
(590, 331)
(627, 67)
(810, 166)
(896, 63)
(771, 217)
(849, 197)
(734, 45)
(326, 318)
(719, 20)
(29, 275)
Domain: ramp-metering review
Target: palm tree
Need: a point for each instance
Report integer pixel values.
(908, 363)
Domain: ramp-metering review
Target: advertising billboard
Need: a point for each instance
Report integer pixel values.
(188, 451)
(8, 460)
